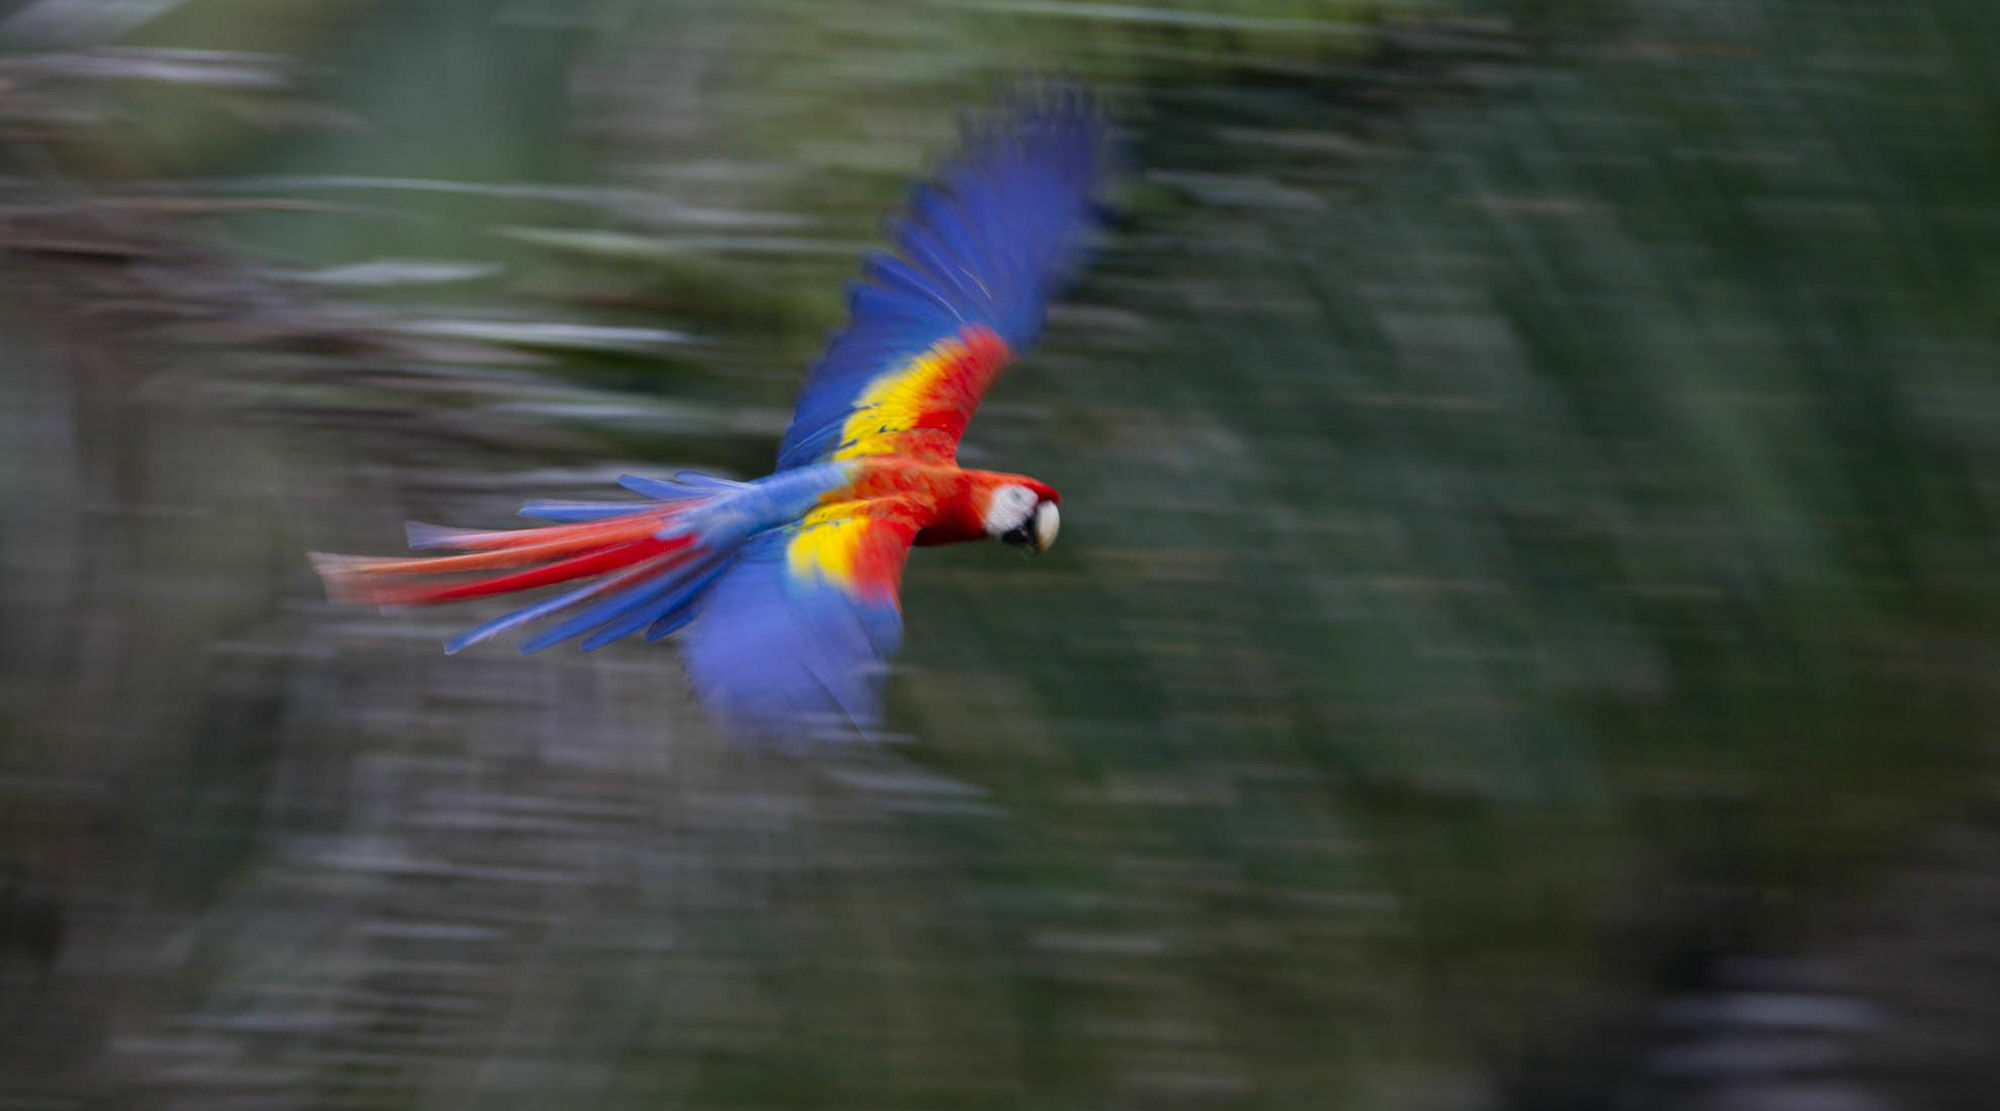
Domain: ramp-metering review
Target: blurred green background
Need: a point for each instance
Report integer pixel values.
(1524, 634)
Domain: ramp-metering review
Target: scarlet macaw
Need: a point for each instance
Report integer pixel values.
(790, 582)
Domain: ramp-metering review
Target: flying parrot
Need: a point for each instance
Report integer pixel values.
(786, 588)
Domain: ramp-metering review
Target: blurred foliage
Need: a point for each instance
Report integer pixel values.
(1530, 481)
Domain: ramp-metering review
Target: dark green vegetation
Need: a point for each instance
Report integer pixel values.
(1529, 482)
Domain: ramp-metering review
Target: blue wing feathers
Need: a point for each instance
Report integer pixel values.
(608, 610)
(941, 264)
(670, 622)
(897, 279)
(648, 600)
(519, 617)
(658, 488)
(578, 512)
(823, 442)
(768, 653)
(989, 243)
(680, 601)
(686, 486)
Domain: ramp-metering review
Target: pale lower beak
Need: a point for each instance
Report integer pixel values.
(1047, 522)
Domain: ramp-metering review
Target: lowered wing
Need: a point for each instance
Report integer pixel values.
(794, 640)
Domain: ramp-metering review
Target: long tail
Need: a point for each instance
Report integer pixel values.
(648, 569)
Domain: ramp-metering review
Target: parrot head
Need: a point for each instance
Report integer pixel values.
(1023, 515)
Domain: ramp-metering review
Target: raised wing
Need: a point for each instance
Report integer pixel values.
(794, 640)
(979, 256)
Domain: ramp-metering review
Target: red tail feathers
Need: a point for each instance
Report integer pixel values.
(564, 552)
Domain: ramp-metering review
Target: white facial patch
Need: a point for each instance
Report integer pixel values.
(1009, 509)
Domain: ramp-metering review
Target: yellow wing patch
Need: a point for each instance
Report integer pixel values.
(895, 401)
(824, 544)
(856, 545)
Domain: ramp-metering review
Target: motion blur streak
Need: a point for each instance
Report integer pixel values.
(1523, 636)
(792, 649)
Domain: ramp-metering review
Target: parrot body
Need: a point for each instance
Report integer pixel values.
(791, 581)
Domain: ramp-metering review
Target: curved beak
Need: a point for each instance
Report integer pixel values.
(1047, 522)
(1036, 534)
